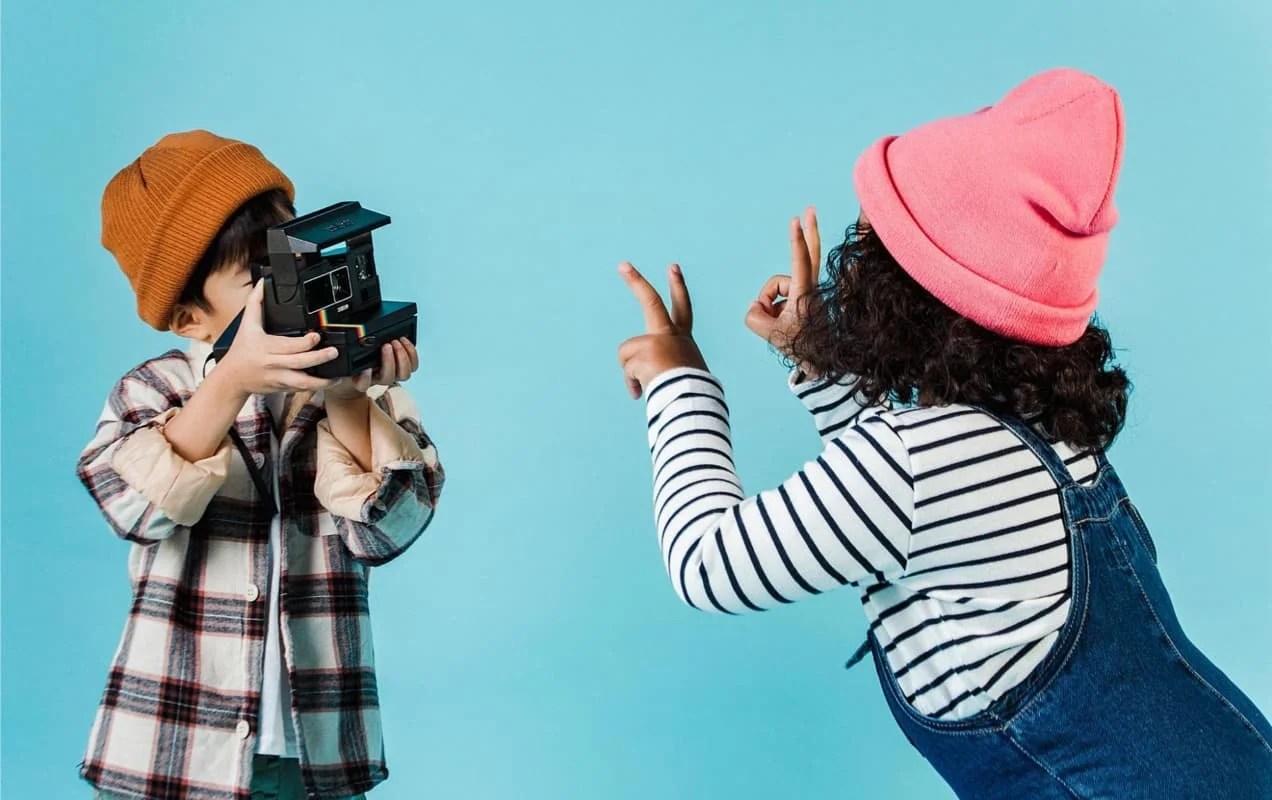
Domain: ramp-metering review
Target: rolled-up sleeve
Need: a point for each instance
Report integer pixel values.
(143, 487)
(379, 513)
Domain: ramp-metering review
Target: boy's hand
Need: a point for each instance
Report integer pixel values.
(347, 403)
(777, 315)
(259, 363)
(398, 361)
(668, 341)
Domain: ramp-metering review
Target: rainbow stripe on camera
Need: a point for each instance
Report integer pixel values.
(361, 330)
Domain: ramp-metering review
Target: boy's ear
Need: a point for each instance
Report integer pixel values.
(187, 321)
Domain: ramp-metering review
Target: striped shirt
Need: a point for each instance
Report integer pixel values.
(945, 522)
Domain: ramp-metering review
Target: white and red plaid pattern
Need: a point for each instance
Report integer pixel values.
(177, 720)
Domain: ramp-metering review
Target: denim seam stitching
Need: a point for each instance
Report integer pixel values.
(1100, 473)
(1141, 531)
(1070, 525)
(1124, 501)
(1042, 766)
(993, 722)
(1038, 690)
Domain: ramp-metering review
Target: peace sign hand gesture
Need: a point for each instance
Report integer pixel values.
(668, 340)
(776, 316)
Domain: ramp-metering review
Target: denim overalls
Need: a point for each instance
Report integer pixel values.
(1124, 706)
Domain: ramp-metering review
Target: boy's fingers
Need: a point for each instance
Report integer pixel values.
(302, 381)
(812, 238)
(656, 317)
(252, 311)
(307, 359)
(412, 352)
(388, 364)
(681, 306)
(288, 345)
(403, 360)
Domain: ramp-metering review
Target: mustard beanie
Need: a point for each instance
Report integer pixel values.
(161, 212)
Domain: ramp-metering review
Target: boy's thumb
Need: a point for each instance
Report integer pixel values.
(252, 311)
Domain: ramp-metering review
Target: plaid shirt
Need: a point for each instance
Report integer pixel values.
(178, 717)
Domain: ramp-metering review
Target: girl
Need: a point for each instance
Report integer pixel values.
(966, 399)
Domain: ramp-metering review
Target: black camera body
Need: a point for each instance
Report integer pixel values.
(321, 276)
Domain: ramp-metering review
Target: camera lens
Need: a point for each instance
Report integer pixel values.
(340, 285)
(328, 289)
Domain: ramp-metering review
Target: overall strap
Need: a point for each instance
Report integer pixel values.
(1040, 447)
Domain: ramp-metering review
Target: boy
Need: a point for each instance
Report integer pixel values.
(246, 665)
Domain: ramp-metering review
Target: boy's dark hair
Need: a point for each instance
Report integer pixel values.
(241, 240)
(871, 321)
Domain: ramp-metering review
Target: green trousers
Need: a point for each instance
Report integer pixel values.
(273, 778)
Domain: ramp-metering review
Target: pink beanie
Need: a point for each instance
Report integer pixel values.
(1004, 215)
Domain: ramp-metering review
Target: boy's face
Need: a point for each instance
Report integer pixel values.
(226, 291)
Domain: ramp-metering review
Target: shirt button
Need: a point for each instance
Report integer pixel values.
(243, 729)
(253, 593)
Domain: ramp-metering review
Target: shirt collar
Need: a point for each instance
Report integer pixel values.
(198, 355)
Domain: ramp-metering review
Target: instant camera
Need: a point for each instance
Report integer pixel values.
(320, 276)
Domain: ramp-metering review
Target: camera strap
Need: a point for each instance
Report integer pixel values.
(258, 477)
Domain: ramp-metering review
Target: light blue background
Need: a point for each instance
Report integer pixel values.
(530, 646)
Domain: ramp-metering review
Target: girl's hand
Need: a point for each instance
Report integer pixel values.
(260, 363)
(778, 313)
(668, 340)
(398, 360)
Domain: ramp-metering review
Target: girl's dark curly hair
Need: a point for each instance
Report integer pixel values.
(872, 323)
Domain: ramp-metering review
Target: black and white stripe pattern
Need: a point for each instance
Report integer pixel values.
(943, 519)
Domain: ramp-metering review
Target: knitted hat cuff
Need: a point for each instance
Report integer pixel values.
(191, 218)
(975, 296)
